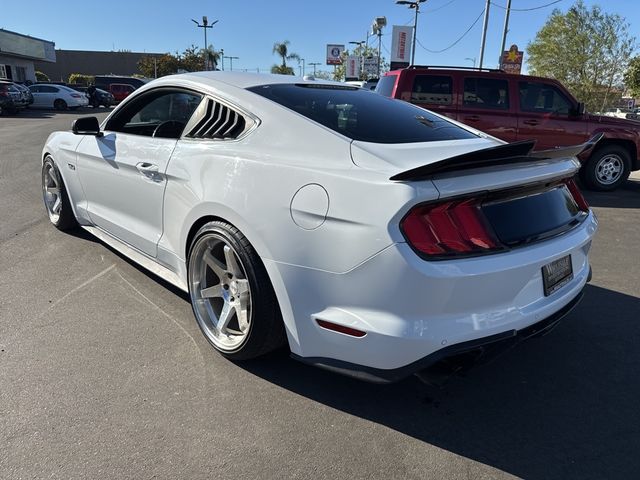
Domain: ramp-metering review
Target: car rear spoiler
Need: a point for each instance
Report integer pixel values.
(510, 153)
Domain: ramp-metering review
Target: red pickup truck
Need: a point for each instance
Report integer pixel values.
(521, 107)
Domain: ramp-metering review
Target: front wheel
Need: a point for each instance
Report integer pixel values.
(56, 200)
(231, 294)
(607, 168)
(60, 104)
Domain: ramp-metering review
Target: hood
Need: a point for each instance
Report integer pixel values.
(615, 121)
(391, 159)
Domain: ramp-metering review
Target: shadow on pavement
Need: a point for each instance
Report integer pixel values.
(627, 196)
(563, 406)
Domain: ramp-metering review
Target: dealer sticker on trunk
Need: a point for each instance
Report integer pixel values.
(557, 274)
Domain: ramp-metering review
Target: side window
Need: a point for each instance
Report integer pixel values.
(489, 93)
(48, 89)
(543, 98)
(215, 120)
(434, 89)
(35, 89)
(159, 113)
(386, 84)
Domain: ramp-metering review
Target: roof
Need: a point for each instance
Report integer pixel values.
(244, 79)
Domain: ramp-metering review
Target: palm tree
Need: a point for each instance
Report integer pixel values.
(211, 57)
(282, 49)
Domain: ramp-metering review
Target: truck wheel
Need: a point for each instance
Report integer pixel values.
(607, 168)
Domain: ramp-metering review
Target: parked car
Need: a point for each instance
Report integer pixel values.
(521, 107)
(101, 97)
(27, 96)
(120, 91)
(471, 243)
(59, 97)
(10, 98)
(103, 81)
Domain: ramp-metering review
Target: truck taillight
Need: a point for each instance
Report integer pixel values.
(577, 195)
(450, 228)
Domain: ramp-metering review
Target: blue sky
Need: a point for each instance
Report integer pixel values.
(248, 28)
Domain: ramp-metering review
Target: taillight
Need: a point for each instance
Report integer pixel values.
(76, 95)
(577, 195)
(450, 228)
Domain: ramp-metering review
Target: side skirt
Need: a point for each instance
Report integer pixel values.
(138, 257)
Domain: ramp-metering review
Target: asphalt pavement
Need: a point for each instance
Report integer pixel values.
(104, 373)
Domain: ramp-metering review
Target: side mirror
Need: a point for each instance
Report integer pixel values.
(578, 111)
(86, 126)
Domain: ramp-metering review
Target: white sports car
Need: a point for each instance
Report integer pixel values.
(373, 237)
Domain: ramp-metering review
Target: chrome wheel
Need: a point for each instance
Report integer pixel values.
(220, 292)
(609, 169)
(52, 192)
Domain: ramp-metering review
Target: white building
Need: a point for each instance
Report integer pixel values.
(18, 52)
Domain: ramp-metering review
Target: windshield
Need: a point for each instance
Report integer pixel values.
(363, 115)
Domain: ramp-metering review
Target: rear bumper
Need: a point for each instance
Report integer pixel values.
(449, 358)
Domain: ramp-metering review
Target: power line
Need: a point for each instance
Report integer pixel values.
(527, 9)
(458, 40)
(440, 7)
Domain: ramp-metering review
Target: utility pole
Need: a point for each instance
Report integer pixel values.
(302, 67)
(204, 26)
(484, 32)
(222, 57)
(314, 64)
(416, 5)
(505, 29)
(231, 59)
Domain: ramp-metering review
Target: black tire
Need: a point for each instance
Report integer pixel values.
(266, 329)
(64, 219)
(60, 104)
(607, 168)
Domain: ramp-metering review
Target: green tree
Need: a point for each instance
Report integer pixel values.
(585, 49)
(41, 77)
(212, 56)
(81, 78)
(282, 49)
(360, 51)
(632, 76)
(191, 60)
(166, 64)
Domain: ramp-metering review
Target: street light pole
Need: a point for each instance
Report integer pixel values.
(416, 5)
(472, 60)
(314, 67)
(231, 59)
(302, 71)
(204, 26)
(378, 24)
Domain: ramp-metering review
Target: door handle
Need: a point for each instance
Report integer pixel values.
(472, 118)
(531, 122)
(147, 169)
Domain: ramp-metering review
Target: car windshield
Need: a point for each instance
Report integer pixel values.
(362, 115)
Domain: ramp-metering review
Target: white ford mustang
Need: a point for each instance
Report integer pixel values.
(375, 238)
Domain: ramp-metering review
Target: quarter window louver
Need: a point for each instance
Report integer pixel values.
(219, 121)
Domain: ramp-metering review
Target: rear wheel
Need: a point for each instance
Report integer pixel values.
(60, 104)
(56, 200)
(231, 295)
(607, 168)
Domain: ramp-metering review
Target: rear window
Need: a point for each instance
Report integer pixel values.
(434, 89)
(363, 115)
(385, 85)
(487, 93)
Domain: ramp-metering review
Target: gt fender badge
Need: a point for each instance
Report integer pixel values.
(71, 166)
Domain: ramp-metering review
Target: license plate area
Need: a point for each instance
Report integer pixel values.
(556, 275)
